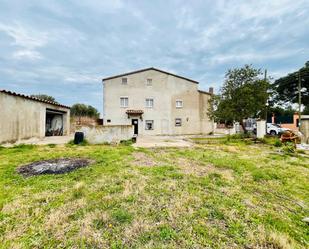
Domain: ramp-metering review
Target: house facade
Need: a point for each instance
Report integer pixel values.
(156, 103)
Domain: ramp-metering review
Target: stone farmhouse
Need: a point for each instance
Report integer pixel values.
(156, 102)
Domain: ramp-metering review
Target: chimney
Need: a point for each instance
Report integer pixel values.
(211, 90)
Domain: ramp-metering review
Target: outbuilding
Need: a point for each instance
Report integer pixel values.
(24, 117)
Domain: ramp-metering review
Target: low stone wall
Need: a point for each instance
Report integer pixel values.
(107, 134)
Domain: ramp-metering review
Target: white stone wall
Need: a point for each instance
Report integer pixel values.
(260, 128)
(165, 90)
(22, 118)
(107, 134)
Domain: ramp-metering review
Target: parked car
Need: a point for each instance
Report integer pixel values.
(275, 129)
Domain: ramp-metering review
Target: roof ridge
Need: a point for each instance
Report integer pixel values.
(146, 69)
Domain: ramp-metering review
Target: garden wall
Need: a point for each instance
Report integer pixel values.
(108, 134)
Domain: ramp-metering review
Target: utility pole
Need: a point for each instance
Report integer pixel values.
(299, 99)
(266, 104)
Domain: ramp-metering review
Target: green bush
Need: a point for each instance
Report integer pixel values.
(277, 143)
(289, 148)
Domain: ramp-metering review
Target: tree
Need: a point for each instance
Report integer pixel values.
(82, 110)
(279, 111)
(306, 110)
(243, 95)
(286, 88)
(44, 97)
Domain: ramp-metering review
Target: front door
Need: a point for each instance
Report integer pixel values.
(135, 123)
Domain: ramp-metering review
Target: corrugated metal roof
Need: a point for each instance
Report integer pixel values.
(33, 98)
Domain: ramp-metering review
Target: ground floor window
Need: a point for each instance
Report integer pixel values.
(149, 125)
(177, 121)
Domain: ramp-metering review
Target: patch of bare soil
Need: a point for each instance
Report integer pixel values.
(53, 166)
(142, 159)
(191, 167)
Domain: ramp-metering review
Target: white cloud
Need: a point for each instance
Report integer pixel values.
(76, 43)
(253, 56)
(25, 40)
(27, 54)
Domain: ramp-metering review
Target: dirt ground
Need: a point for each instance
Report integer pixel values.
(43, 141)
(162, 141)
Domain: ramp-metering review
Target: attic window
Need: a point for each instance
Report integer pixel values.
(179, 104)
(149, 82)
(124, 81)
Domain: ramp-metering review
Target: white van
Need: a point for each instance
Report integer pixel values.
(275, 129)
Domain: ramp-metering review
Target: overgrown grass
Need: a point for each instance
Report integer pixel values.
(226, 194)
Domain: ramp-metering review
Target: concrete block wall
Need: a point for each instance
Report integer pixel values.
(107, 134)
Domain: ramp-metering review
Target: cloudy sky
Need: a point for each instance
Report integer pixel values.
(64, 48)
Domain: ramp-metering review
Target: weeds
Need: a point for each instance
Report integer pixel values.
(277, 143)
(126, 142)
(226, 194)
(289, 148)
(83, 143)
(122, 216)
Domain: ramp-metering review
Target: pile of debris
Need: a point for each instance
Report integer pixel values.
(53, 166)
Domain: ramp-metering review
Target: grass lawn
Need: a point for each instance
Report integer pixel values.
(222, 194)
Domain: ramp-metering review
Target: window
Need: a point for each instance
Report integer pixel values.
(178, 103)
(177, 121)
(149, 82)
(124, 102)
(149, 103)
(108, 121)
(149, 125)
(124, 81)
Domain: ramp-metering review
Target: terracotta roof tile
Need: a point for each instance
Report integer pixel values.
(33, 98)
(134, 111)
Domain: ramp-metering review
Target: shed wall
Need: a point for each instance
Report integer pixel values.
(22, 118)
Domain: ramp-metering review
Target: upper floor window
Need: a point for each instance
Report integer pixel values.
(124, 81)
(124, 102)
(149, 82)
(179, 103)
(149, 103)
